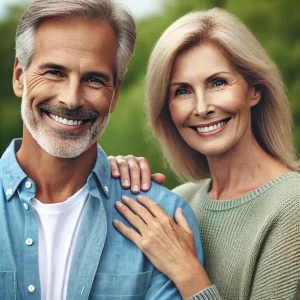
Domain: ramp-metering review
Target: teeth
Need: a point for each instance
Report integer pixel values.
(211, 128)
(66, 121)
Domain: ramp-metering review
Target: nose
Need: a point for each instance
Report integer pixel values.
(202, 107)
(71, 96)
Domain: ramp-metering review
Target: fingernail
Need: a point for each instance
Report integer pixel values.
(135, 188)
(116, 222)
(125, 198)
(116, 173)
(125, 182)
(145, 186)
(119, 204)
(139, 197)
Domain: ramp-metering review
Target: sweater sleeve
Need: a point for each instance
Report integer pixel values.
(277, 272)
(211, 293)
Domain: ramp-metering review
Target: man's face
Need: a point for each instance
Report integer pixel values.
(68, 89)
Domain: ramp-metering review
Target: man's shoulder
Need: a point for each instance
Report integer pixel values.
(166, 199)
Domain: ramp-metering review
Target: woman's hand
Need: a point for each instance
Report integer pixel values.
(134, 171)
(168, 245)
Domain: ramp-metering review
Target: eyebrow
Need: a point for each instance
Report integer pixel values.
(55, 66)
(207, 79)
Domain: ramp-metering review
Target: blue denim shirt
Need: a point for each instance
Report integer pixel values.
(105, 264)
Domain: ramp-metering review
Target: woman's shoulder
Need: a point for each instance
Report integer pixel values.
(190, 190)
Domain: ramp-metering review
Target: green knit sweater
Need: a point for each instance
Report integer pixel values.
(251, 244)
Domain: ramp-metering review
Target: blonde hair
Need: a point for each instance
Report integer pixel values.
(271, 117)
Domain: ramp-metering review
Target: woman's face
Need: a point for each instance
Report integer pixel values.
(209, 100)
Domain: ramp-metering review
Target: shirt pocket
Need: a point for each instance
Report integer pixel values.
(120, 286)
(7, 285)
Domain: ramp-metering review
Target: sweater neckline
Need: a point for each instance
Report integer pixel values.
(212, 204)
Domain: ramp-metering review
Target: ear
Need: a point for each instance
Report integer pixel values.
(17, 80)
(255, 96)
(115, 97)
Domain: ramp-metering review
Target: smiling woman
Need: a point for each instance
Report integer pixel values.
(217, 104)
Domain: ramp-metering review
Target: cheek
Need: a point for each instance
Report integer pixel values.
(40, 90)
(180, 110)
(100, 99)
(230, 101)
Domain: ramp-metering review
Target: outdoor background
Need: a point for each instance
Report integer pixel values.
(276, 24)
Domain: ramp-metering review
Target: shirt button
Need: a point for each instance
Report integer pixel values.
(9, 192)
(26, 206)
(31, 288)
(28, 184)
(106, 189)
(29, 242)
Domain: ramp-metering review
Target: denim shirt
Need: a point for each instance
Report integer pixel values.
(105, 265)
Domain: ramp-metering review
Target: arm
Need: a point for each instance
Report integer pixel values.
(169, 246)
(134, 172)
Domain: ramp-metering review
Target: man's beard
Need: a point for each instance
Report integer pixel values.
(58, 143)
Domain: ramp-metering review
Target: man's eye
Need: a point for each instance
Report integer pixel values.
(181, 92)
(93, 80)
(219, 82)
(54, 73)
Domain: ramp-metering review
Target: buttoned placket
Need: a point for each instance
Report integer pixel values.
(30, 244)
(94, 222)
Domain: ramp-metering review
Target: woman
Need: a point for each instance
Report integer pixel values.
(217, 104)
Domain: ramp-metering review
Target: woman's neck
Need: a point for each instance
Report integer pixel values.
(242, 169)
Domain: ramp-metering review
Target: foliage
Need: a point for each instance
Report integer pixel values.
(275, 23)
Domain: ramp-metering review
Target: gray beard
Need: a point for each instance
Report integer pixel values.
(61, 144)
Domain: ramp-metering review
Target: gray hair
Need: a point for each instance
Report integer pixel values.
(111, 11)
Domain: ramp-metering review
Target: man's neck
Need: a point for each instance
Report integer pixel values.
(56, 179)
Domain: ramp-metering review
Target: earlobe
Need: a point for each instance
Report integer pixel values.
(115, 97)
(18, 79)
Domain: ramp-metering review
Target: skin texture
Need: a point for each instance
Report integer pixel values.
(205, 89)
(72, 77)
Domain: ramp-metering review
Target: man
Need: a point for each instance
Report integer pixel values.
(57, 206)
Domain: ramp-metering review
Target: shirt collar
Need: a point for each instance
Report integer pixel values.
(11, 174)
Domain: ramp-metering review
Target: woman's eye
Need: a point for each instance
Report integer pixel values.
(181, 92)
(219, 82)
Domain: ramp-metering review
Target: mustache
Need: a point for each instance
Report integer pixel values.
(77, 113)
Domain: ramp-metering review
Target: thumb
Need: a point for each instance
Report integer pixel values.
(181, 220)
(158, 178)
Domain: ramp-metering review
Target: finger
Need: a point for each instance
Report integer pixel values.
(158, 178)
(131, 217)
(145, 173)
(152, 207)
(135, 173)
(129, 233)
(138, 209)
(114, 167)
(181, 220)
(124, 171)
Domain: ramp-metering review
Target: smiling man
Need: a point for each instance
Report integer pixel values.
(57, 206)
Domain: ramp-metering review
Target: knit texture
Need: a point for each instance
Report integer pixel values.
(252, 243)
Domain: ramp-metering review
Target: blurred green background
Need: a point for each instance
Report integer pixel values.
(275, 23)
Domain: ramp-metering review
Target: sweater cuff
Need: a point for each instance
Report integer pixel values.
(211, 293)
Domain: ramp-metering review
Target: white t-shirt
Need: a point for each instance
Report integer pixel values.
(58, 229)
